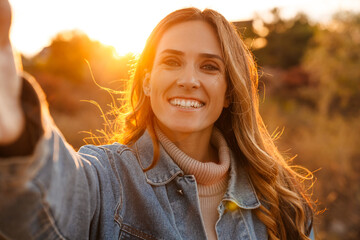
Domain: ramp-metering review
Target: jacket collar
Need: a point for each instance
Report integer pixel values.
(164, 171)
(240, 189)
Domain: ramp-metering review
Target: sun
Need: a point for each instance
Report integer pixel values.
(125, 25)
(117, 23)
(124, 38)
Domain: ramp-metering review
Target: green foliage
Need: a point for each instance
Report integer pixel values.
(66, 78)
(317, 100)
(246, 30)
(68, 52)
(333, 61)
(286, 41)
(65, 56)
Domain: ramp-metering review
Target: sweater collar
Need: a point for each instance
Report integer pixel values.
(206, 173)
(240, 189)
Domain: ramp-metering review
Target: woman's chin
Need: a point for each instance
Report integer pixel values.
(182, 128)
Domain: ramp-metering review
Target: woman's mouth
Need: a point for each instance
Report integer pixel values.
(186, 103)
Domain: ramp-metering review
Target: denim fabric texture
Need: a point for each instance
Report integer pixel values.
(102, 192)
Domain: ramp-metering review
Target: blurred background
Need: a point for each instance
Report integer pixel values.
(308, 53)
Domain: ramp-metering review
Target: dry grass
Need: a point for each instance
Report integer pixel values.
(330, 147)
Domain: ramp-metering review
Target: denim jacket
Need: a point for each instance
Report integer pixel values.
(102, 192)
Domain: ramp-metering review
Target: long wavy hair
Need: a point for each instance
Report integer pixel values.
(286, 210)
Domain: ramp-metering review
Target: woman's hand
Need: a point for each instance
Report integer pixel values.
(11, 117)
(5, 22)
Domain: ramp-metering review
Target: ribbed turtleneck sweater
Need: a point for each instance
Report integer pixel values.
(211, 178)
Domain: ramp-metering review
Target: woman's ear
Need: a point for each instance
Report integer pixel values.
(146, 84)
(227, 99)
(227, 102)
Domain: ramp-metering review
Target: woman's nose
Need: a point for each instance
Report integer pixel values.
(188, 79)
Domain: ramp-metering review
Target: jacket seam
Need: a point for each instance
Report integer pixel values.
(253, 190)
(150, 181)
(246, 225)
(163, 182)
(46, 209)
(112, 164)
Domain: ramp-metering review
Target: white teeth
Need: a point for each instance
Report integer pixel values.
(183, 103)
(186, 103)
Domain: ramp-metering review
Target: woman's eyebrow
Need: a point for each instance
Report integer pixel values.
(204, 55)
(173, 51)
(210, 55)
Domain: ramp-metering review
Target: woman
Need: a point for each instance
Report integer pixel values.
(196, 161)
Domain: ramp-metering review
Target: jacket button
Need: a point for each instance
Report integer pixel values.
(179, 191)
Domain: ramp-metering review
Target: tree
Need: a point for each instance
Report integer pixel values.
(333, 61)
(68, 52)
(286, 40)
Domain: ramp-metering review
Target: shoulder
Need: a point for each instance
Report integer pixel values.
(103, 153)
(116, 158)
(143, 146)
(113, 165)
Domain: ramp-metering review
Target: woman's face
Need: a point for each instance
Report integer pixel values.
(187, 83)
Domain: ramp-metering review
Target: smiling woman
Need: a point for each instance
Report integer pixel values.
(194, 55)
(189, 157)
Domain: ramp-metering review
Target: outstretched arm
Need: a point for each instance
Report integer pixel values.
(11, 116)
(47, 190)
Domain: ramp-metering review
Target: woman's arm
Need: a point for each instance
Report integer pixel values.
(11, 117)
(47, 190)
(51, 192)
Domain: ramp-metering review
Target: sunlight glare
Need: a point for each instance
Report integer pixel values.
(114, 24)
(125, 30)
(125, 25)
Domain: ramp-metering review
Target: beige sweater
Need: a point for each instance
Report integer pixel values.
(211, 178)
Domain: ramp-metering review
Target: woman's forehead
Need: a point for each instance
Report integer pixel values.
(190, 37)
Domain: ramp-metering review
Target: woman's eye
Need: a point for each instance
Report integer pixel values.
(171, 63)
(210, 67)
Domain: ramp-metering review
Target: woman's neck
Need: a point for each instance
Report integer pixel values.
(197, 145)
